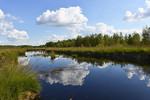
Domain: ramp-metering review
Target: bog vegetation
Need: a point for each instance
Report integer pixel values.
(99, 40)
(15, 80)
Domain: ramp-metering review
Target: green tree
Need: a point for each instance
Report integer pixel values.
(130, 40)
(115, 39)
(106, 40)
(121, 39)
(146, 36)
(78, 41)
(136, 39)
(99, 40)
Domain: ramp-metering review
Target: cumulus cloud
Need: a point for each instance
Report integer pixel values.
(2, 16)
(105, 29)
(87, 30)
(7, 28)
(75, 22)
(140, 14)
(71, 16)
(18, 35)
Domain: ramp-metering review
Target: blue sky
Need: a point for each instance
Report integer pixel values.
(35, 22)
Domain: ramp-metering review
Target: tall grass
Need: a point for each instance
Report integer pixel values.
(15, 79)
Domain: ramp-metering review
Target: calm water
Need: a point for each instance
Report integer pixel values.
(95, 80)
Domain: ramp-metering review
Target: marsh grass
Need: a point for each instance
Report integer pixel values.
(101, 50)
(52, 54)
(15, 79)
(132, 54)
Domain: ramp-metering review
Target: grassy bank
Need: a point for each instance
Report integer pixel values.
(11, 55)
(15, 80)
(140, 55)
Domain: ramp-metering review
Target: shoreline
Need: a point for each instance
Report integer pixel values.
(139, 56)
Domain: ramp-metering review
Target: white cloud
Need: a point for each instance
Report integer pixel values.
(17, 35)
(56, 37)
(7, 28)
(2, 16)
(11, 16)
(87, 30)
(14, 18)
(75, 22)
(105, 29)
(71, 16)
(140, 14)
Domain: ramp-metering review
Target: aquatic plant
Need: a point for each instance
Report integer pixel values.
(52, 54)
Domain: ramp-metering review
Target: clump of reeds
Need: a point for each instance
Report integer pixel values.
(52, 54)
(15, 80)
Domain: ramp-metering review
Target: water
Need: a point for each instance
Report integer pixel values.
(88, 79)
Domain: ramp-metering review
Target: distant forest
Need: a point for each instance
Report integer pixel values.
(99, 40)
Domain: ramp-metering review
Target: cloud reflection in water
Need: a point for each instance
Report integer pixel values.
(138, 71)
(73, 74)
(23, 61)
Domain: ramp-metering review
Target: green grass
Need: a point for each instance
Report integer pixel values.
(131, 54)
(101, 50)
(15, 79)
(105, 49)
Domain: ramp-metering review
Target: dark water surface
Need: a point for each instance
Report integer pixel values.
(66, 79)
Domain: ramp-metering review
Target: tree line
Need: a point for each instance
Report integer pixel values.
(98, 40)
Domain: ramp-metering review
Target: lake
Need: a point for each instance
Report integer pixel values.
(66, 78)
